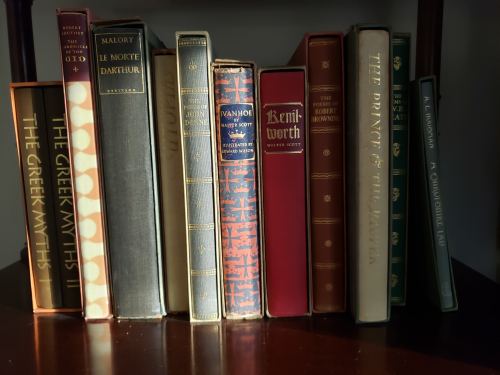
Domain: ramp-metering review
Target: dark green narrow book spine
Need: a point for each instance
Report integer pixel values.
(399, 175)
(438, 238)
(40, 223)
(63, 195)
(124, 111)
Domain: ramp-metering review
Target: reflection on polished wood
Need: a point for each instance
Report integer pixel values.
(244, 352)
(416, 341)
(99, 351)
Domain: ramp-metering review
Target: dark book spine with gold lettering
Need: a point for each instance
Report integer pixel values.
(86, 172)
(400, 120)
(128, 147)
(431, 262)
(200, 174)
(323, 55)
(62, 193)
(28, 109)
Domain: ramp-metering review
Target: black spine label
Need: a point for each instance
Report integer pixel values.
(120, 65)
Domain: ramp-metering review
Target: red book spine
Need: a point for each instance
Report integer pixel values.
(284, 187)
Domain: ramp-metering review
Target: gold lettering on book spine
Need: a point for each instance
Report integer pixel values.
(40, 244)
(65, 199)
(209, 272)
(208, 226)
(110, 64)
(375, 83)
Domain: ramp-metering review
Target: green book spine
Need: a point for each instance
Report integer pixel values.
(430, 258)
(443, 270)
(399, 174)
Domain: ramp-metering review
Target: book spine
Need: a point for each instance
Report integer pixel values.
(63, 196)
(284, 188)
(128, 157)
(439, 239)
(34, 161)
(399, 175)
(197, 133)
(170, 160)
(326, 161)
(369, 172)
(85, 165)
(239, 215)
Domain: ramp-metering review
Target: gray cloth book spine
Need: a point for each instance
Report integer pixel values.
(198, 150)
(129, 164)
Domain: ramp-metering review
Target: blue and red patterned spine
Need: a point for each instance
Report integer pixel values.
(238, 188)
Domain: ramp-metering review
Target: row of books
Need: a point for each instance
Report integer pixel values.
(163, 181)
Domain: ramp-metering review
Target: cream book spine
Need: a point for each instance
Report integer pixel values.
(172, 193)
(368, 169)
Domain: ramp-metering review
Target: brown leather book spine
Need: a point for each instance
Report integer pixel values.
(323, 55)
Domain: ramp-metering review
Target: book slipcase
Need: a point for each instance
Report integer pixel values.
(34, 300)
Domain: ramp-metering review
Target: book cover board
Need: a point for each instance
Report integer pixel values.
(31, 131)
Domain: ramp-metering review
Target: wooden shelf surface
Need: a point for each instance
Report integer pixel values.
(418, 340)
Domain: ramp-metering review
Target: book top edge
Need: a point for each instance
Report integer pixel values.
(282, 68)
(125, 22)
(15, 85)
(232, 63)
(325, 34)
